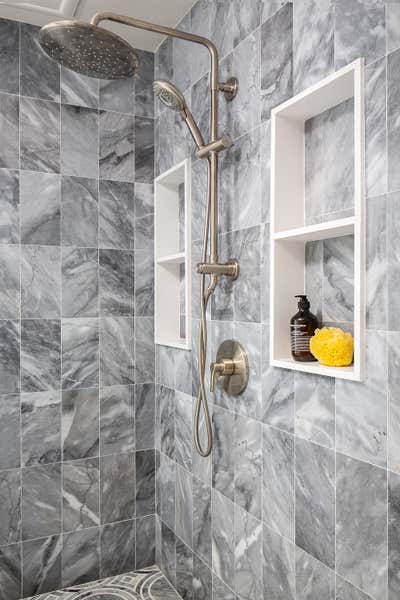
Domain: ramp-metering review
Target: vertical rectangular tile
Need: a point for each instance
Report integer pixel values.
(143, 90)
(223, 557)
(10, 511)
(40, 135)
(79, 212)
(393, 402)
(40, 220)
(85, 544)
(80, 494)
(117, 487)
(9, 213)
(393, 127)
(117, 94)
(9, 62)
(41, 565)
(393, 536)
(80, 353)
(248, 555)
(117, 152)
(40, 354)
(315, 408)
(10, 572)
(315, 501)
(41, 501)
(116, 214)
(202, 520)
(80, 423)
(222, 454)
(80, 141)
(117, 424)
(9, 431)
(80, 286)
(278, 566)
(393, 272)
(145, 482)
(117, 543)
(146, 542)
(144, 150)
(40, 75)
(10, 286)
(78, 89)
(144, 416)
(116, 351)
(184, 506)
(40, 282)
(40, 428)
(378, 270)
(184, 570)
(9, 123)
(375, 128)
(248, 465)
(9, 356)
(313, 579)
(116, 274)
(361, 525)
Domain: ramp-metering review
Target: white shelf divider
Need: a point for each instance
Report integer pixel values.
(172, 257)
(289, 234)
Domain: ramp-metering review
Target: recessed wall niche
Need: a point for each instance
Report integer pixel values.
(318, 214)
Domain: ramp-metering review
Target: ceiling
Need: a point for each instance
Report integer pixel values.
(40, 12)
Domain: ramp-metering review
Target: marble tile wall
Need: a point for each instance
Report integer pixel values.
(77, 459)
(300, 498)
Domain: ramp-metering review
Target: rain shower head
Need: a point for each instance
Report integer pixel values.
(89, 50)
(172, 98)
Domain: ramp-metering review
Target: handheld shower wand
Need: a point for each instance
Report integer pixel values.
(90, 49)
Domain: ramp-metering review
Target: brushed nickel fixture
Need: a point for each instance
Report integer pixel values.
(232, 368)
(92, 50)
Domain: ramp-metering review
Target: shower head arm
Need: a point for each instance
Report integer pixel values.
(183, 35)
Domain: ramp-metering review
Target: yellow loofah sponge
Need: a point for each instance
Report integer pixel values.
(332, 347)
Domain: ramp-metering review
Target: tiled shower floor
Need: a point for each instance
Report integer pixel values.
(146, 584)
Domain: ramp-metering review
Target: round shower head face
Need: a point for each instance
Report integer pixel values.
(89, 50)
(169, 95)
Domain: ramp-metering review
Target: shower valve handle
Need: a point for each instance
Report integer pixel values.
(225, 367)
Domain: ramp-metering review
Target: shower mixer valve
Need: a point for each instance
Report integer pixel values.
(232, 368)
(229, 269)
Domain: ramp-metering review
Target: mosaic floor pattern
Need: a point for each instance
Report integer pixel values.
(146, 584)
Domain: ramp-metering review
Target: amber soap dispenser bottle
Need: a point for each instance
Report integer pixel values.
(302, 327)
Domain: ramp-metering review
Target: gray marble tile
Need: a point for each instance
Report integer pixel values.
(248, 465)
(346, 591)
(166, 402)
(144, 368)
(223, 460)
(163, 60)
(39, 75)
(117, 487)
(143, 85)
(393, 535)
(392, 26)
(144, 150)
(276, 60)
(116, 283)
(10, 572)
(361, 409)
(80, 353)
(40, 355)
(181, 56)
(79, 212)
(117, 95)
(9, 356)
(329, 140)
(145, 482)
(9, 63)
(168, 555)
(117, 545)
(202, 580)
(183, 374)
(314, 275)
(184, 570)
(278, 566)
(41, 565)
(393, 127)
(164, 133)
(79, 146)
(40, 428)
(145, 541)
(313, 579)
(40, 282)
(201, 25)
(246, 67)
(183, 430)
(248, 555)
(277, 394)
(9, 283)
(78, 89)
(117, 432)
(393, 402)
(9, 123)
(278, 481)
(184, 505)
(144, 284)
(144, 233)
(249, 402)
(223, 543)
(10, 496)
(315, 501)
(375, 128)
(80, 494)
(359, 31)
(378, 272)
(220, 590)
(80, 423)
(80, 554)
(338, 285)
(246, 290)
(79, 282)
(39, 135)
(40, 220)
(312, 42)
(393, 272)
(315, 408)
(9, 431)
(247, 181)
(117, 214)
(144, 199)
(9, 211)
(117, 151)
(246, 18)
(167, 477)
(144, 416)
(202, 536)
(41, 501)
(361, 518)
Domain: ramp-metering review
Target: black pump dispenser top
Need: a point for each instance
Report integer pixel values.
(304, 303)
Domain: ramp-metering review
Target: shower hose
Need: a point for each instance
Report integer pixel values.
(205, 295)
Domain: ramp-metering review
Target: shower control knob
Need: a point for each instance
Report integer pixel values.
(232, 368)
